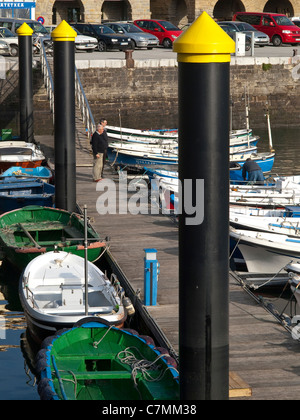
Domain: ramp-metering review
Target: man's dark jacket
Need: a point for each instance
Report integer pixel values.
(99, 143)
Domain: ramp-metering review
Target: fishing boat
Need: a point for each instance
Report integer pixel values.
(241, 133)
(33, 230)
(238, 144)
(280, 220)
(39, 172)
(265, 252)
(19, 153)
(264, 159)
(53, 294)
(96, 362)
(272, 195)
(135, 135)
(16, 193)
(141, 156)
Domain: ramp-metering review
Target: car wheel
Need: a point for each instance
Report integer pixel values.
(132, 45)
(167, 43)
(276, 41)
(14, 50)
(101, 46)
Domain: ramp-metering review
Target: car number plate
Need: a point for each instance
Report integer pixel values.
(124, 43)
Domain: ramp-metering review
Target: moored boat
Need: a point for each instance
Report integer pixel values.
(265, 252)
(97, 362)
(141, 156)
(265, 160)
(32, 230)
(16, 193)
(53, 294)
(19, 153)
(39, 172)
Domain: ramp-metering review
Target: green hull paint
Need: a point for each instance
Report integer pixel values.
(26, 233)
(79, 370)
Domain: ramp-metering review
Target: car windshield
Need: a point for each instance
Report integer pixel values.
(245, 27)
(102, 29)
(38, 28)
(168, 26)
(129, 27)
(283, 21)
(229, 28)
(6, 33)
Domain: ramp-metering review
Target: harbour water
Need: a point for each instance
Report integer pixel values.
(17, 382)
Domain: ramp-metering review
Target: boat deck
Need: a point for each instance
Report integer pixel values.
(264, 358)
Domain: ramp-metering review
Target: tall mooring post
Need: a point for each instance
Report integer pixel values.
(204, 61)
(64, 116)
(25, 82)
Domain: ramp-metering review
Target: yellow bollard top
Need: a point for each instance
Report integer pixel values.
(204, 42)
(24, 30)
(63, 32)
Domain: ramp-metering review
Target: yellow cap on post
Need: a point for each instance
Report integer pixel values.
(204, 42)
(63, 32)
(24, 30)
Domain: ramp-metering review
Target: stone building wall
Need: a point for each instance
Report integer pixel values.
(174, 10)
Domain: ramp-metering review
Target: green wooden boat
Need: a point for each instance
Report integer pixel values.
(30, 231)
(97, 362)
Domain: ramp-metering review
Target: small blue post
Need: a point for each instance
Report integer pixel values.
(151, 272)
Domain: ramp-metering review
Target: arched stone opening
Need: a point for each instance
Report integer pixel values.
(224, 9)
(279, 6)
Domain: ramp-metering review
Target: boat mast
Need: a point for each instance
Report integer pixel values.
(269, 128)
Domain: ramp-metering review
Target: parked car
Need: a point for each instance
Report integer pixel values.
(82, 42)
(232, 33)
(107, 38)
(279, 28)
(14, 23)
(11, 39)
(165, 31)
(139, 38)
(296, 21)
(260, 38)
(4, 47)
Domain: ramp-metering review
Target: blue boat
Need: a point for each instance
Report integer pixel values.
(141, 157)
(264, 160)
(40, 172)
(15, 193)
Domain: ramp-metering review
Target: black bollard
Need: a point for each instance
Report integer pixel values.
(64, 116)
(25, 82)
(203, 69)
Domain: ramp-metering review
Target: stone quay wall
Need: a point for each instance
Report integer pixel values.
(146, 96)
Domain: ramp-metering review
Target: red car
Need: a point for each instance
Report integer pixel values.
(165, 31)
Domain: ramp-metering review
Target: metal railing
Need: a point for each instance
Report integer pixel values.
(86, 113)
(82, 102)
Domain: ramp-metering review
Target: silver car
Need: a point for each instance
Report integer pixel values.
(4, 47)
(139, 38)
(261, 39)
